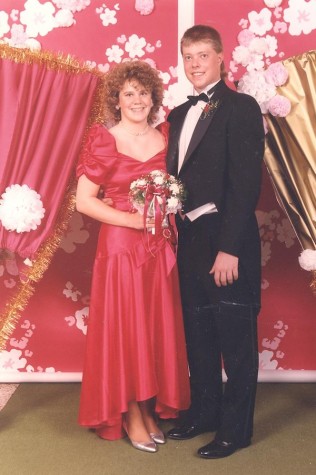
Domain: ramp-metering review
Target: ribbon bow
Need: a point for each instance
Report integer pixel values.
(202, 97)
(195, 99)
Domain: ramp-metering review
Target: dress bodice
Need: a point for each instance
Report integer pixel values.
(104, 165)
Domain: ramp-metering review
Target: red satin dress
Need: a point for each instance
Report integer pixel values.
(135, 347)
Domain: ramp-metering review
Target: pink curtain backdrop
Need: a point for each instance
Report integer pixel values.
(43, 116)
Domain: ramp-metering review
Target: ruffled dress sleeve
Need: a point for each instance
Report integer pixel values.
(98, 155)
(163, 127)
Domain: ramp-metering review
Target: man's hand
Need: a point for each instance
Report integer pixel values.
(225, 269)
(107, 201)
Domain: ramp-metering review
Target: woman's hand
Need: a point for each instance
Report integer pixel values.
(135, 220)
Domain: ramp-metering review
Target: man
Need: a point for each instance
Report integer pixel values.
(216, 149)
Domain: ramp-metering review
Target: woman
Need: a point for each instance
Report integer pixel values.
(135, 365)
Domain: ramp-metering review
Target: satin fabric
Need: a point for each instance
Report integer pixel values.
(43, 119)
(135, 342)
(290, 154)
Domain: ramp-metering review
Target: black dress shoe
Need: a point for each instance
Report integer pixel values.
(189, 431)
(218, 449)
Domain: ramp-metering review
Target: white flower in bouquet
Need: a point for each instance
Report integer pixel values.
(158, 186)
(174, 188)
(173, 204)
(157, 173)
(158, 180)
(21, 209)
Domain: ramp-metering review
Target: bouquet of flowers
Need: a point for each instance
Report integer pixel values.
(156, 195)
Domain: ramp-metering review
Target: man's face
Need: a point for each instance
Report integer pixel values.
(202, 65)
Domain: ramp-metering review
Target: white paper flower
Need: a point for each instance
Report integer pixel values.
(114, 54)
(272, 3)
(260, 22)
(255, 84)
(134, 46)
(4, 25)
(256, 62)
(73, 5)
(241, 55)
(64, 18)
(258, 45)
(301, 16)
(38, 18)
(272, 45)
(307, 259)
(108, 17)
(21, 209)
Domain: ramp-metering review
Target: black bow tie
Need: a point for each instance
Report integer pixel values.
(202, 97)
(195, 99)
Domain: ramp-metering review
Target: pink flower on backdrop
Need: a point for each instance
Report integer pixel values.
(245, 36)
(276, 74)
(144, 7)
(279, 106)
(150, 48)
(151, 62)
(121, 39)
(243, 23)
(280, 27)
(278, 12)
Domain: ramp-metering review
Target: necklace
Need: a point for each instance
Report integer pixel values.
(136, 134)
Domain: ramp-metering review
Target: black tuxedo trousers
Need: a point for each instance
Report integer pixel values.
(221, 326)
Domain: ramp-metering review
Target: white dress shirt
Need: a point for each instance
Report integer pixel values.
(189, 125)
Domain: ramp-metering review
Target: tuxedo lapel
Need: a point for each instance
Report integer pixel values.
(174, 136)
(203, 125)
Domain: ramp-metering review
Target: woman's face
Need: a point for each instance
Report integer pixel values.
(135, 102)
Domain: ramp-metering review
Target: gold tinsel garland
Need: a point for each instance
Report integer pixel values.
(18, 302)
(48, 59)
(313, 282)
(26, 288)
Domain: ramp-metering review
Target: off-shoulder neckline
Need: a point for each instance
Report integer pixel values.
(129, 156)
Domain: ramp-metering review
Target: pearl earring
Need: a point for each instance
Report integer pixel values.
(117, 107)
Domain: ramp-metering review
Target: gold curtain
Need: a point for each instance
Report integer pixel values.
(290, 154)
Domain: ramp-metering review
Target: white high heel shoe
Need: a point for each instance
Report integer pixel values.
(144, 446)
(158, 437)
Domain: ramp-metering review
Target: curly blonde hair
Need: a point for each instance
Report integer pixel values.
(138, 71)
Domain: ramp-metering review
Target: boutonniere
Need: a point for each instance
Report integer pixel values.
(209, 108)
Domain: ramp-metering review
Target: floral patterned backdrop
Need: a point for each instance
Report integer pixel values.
(48, 342)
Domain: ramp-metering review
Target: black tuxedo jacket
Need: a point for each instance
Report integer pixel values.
(223, 165)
